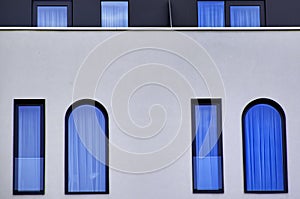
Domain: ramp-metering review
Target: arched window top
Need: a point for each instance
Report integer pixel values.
(264, 103)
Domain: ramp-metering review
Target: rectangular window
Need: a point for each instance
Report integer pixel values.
(211, 14)
(114, 14)
(29, 146)
(207, 155)
(245, 13)
(52, 13)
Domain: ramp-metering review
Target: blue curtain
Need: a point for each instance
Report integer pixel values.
(245, 16)
(263, 147)
(29, 163)
(211, 14)
(52, 16)
(114, 14)
(86, 150)
(207, 161)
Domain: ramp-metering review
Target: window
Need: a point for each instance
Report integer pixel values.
(207, 154)
(211, 14)
(86, 131)
(245, 13)
(29, 146)
(52, 13)
(216, 13)
(114, 14)
(264, 147)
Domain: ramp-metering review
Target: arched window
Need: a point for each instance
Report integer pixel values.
(264, 144)
(86, 152)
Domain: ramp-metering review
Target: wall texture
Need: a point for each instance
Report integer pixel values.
(146, 79)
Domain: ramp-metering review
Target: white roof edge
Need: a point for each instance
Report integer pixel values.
(149, 28)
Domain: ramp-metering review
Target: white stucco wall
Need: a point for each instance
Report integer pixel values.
(146, 79)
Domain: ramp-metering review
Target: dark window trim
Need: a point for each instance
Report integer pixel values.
(261, 4)
(218, 103)
(228, 3)
(67, 3)
(28, 102)
(100, 7)
(68, 113)
(284, 150)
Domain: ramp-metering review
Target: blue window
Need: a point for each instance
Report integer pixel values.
(264, 143)
(114, 14)
(52, 13)
(245, 16)
(211, 14)
(207, 155)
(86, 126)
(29, 146)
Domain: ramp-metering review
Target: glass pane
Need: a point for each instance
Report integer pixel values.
(86, 150)
(114, 14)
(211, 14)
(52, 16)
(245, 16)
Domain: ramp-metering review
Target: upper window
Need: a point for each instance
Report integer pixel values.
(211, 14)
(207, 155)
(114, 13)
(29, 146)
(264, 144)
(86, 131)
(52, 13)
(216, 13)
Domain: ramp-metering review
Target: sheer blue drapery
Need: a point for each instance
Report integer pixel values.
(86, 150)
(52, 16)
(245, 16)
(29, 163)
(263, 149)
(211, 14)
(207, 161)
(114, 14)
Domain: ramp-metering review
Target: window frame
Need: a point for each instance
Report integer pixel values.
(261, 4)
(128, 14)
(218, 103)
(67, 115)
(279, 109)
(17, 104)
(67, 3)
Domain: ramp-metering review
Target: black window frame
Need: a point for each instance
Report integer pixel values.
(100, 7)
(17, 104)
(67, 115)
(67, 3)
(280, 110)
(218, 103)
(228, 3)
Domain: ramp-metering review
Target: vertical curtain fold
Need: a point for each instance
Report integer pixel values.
(86, 150)
(207, 162)
(211, 14)
(52, 16)
(263, 140)
(29, 163)
(245, 16)
(114, 14)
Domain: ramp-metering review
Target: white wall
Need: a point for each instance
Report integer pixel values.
(145, 79)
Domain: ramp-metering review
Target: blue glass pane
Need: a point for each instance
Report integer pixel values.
(263, 145)
(114, 14)
(211, 14)
(52, 16)
(245, 16)
(207, 161)
(29, 163)
(86, 150)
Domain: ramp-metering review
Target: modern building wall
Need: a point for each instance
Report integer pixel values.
(146, 79)
(144, 13)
